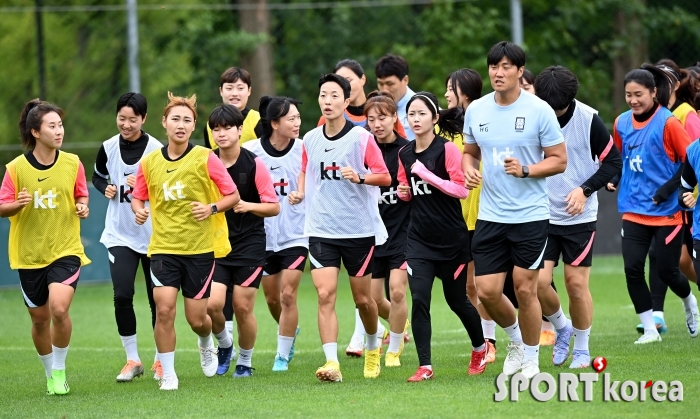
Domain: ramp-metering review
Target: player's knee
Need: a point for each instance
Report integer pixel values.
(41, 321)
(123, 301)
(525, 294)
(362, 303)
(272, 299)
(165, 314)
(576, 288)
(488, 296)
(397, 296)
(288, 298)
(325, 297)
(59, 313)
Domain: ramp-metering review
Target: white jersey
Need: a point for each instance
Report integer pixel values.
(120, 225)
(336, 207)
(287, 228)
(580, 167)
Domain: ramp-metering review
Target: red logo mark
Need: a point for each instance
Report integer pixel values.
(648, 384)
(600, 363)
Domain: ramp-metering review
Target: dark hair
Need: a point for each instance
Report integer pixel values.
(696, 101)
(450, 121)
(468, 81)
(652, 77)
(31, 117)
(272, 109)
(233, 74)
(514, 53)
(528, 77)
(353, 65)
(557, 86)
(135, 101)
(383, 101)
(225, 116)
(334, 78)
(689, 80)
(391, 65)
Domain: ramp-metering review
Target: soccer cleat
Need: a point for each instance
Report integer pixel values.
(208, 360)
(224, 356)
(330, 372)
(547, 338)
(560, 353)
(581, 359)
(491, 355)
(660, 325)
(649, 336)
(514, 358)
(691, 318)
(392, 359)
(530, 368)
(242, 371)
(49, 386)
(169, 382)
(291, 350)
(422, 374)
(60, 385)
(477, 365)
(355, 347)
(233, 350)
(130, 371)
(157, 369)
(280, 364)
(406, 336)
(372, 363)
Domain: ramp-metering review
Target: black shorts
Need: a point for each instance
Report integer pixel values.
(243, 276)
(35, 282)
(497, 247)
(383, 265)
(291, 258)
(356, 254)
(574, 243)
(191, 273)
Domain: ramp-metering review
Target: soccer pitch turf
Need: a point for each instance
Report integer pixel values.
(96, 356)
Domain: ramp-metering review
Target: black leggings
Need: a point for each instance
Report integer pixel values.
(421, 274)
(636, 241)
(122, 265)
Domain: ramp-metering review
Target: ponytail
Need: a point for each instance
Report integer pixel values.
(652, 77)
(450, 121)
(31, 118)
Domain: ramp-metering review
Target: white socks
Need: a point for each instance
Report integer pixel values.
(513, 332)
(489, 328)
(372, 341)
(558, 319)
(224, 339)
(331, 351)
(689, 302)
(245, 357)
(480, 348)
(284, 346)
(659, 314)
(229, 327)
(647, 319)
(167, 362)
(155, 358)
(129, 344)
(206, 341)
(581, 339)
(59, 358)
(395, 340)
(47, 362)
(531, 354)
(359, 327)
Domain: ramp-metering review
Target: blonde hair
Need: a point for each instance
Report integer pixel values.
(188, 102)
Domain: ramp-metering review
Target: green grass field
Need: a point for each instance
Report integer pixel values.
(96, 356)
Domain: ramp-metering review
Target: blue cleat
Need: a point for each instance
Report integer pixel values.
(243, 371)
(280, 365)
(581, 359)
(224, 360)
(660, 325)
(291, 350)
(560, 353)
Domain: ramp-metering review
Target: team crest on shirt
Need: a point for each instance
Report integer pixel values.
(430, 164)
(519, 124)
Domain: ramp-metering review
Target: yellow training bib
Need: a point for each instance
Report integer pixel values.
(249, 123)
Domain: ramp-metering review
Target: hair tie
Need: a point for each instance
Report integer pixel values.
(429, 101)
(669, 71)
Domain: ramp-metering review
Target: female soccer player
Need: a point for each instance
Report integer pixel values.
(43, 189)
(286, 247)
(340, 162)
(527, 81)
(126, 241)
(183, 184)
(653, 146)
(431, 177)
(242, 268)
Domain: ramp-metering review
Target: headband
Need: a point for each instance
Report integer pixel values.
(429, 101)
(669, 71)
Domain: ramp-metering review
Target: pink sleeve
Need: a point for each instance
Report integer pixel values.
(80, 189)
(401, 176)
(219, 175)
(263, 182)
(8, 193)
(373, 157)
(304, 158)
(692, 125)
(140, 190)
(453, 187)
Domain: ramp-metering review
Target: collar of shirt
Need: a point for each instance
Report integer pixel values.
(401, 105)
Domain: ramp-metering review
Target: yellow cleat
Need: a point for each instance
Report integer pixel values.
(491, 355)
(330, 372)
(392, 359)
(406, 337)
(372, 363)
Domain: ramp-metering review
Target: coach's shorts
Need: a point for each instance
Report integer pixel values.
(356, 254)
(291, 258)
(243, 276)
(191, 273)
(497, 247)
(574, 243)
(35, 282)
(383, 265)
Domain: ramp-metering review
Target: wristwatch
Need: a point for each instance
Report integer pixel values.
(362, 178)
(526, 172)
(214, 209)
(587, 192)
